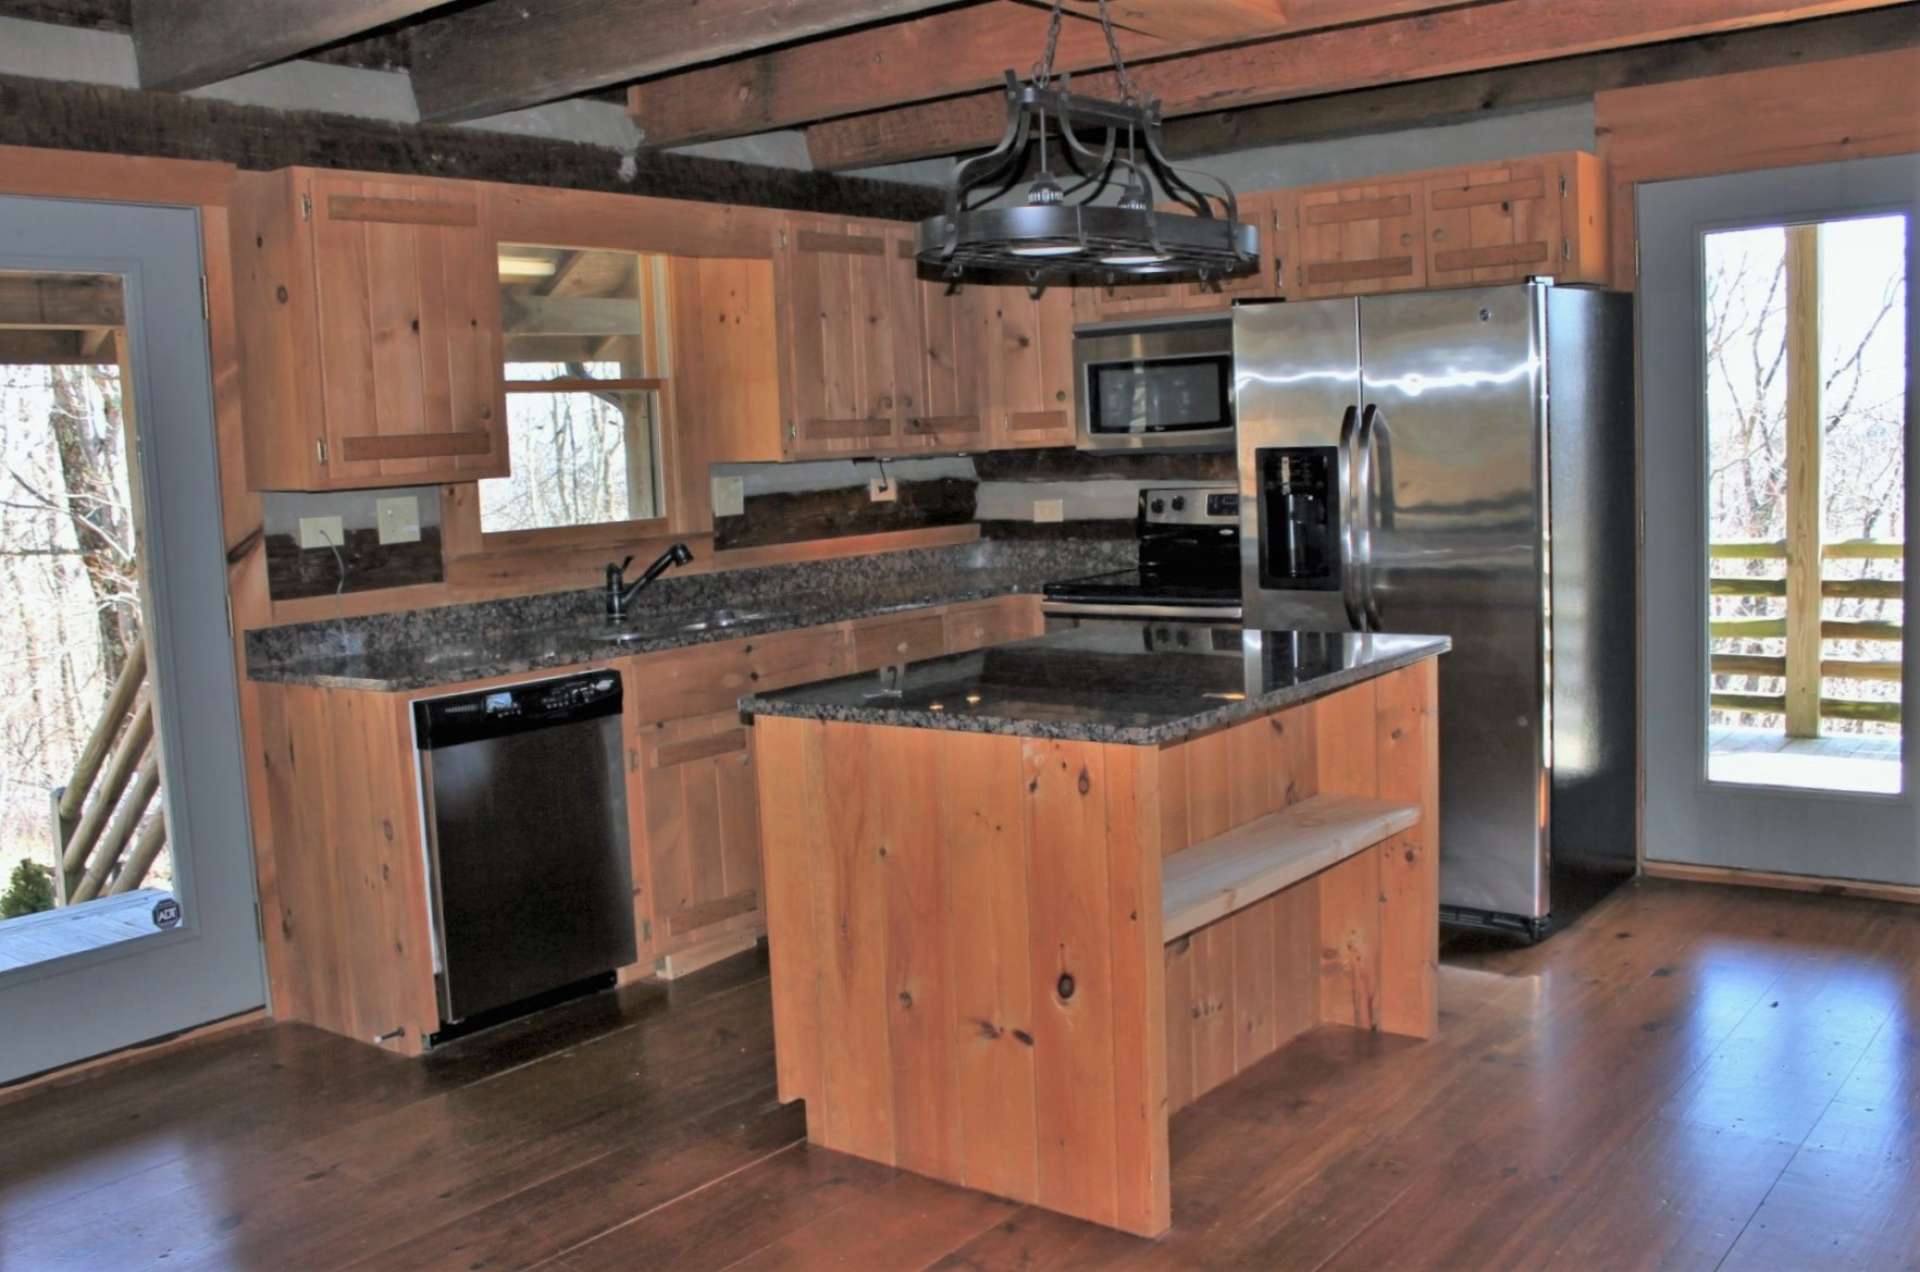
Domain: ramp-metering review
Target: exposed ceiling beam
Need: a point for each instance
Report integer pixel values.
(938, 55)
(69, 301)
(1216, 22)
(1427, 46)
(182, 44)
(1457, 98)
(506, 54)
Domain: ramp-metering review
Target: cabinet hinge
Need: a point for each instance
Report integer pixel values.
(306, 207)
(1636, 257)
(320, 449)
(783, 240)
(206, 300)
(1563, 183)
(1566, 249)
(259, 923)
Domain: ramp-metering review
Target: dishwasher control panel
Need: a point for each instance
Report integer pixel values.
(465, 717)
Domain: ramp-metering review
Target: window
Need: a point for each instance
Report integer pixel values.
(587, 357)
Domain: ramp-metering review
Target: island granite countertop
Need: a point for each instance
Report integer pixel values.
(1137, 683)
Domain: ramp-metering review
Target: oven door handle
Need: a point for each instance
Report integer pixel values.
(1352, 558)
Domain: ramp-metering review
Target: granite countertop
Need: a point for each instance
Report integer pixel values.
(458, 658)
(1141, 683)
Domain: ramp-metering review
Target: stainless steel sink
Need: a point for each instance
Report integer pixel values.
(713, 621)
(721, 619)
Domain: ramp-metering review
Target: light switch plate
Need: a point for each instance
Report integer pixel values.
(1049, 510)
(729, 496)
(399, 518)
(322, 532)
(882, 490)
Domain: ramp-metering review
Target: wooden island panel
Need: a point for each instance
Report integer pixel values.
(969, 978)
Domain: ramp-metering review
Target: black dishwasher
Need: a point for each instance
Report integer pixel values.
(526, 816)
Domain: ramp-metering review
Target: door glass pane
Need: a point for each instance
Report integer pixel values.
(586, 372)
(1806, 502)
(84, 858)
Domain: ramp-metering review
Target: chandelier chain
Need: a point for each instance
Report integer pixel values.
(1113, 50)
(1043, 69)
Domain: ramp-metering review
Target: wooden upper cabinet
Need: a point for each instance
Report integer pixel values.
(1027, 344)
(945, 393)
(369, 315)
(1453, 227)
(849, 339)
(1366, 237)
(1260, 209)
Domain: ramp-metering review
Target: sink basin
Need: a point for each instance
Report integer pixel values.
(713, 621)
(721, 619)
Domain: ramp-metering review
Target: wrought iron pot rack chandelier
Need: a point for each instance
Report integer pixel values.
(1099, 219)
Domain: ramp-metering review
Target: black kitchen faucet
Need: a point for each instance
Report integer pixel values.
(620, 593)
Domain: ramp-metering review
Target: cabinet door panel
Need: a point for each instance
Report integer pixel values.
(944, 376)
(1028, 346)
(1360, 238)
(409, 331)
(1264, 282)
(845, 362)
(1492, 225)
(702, 827)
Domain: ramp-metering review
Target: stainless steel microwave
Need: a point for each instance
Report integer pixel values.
(1163, 384)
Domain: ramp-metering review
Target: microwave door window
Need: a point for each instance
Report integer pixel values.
(1160, 396)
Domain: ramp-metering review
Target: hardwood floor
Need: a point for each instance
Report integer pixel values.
(1691, 1077)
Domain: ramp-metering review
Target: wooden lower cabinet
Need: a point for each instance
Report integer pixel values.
(700, 816)
(343, 888)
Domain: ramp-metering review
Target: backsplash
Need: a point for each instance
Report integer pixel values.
(362, 563)
(1098, 494)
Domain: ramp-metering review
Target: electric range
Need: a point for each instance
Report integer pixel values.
(1189, 564)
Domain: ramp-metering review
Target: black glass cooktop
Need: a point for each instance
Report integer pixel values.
(1148, 587)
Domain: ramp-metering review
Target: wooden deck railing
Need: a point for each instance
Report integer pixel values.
(97, 816)
(1776, 666)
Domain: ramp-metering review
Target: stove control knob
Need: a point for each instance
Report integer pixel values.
(1179, 503)
(1158, 505)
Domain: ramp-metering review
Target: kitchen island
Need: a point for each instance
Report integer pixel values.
(1026, 902)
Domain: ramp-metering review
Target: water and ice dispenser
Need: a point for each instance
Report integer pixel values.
(1300, 531)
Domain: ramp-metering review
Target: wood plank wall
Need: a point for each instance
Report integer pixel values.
(1843, 108)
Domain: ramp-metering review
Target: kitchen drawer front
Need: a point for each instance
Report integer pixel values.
(878, 642)
(978, 624)
(704, 679)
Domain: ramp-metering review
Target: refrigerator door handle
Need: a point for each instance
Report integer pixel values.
(1372, 423)
(1351, 566)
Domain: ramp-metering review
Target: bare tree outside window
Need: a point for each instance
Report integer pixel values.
(1861, 420)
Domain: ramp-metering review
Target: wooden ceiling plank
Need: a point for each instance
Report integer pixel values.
(507, 54)
(938, 55)
(1428, 46)
(1457, 98)
(182, 44)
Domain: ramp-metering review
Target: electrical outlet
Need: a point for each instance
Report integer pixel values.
(1049, 510)
(729, 496)
(399, 518)
(322, 532)
(883, 489)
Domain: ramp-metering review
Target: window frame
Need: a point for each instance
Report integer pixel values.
(656, 305)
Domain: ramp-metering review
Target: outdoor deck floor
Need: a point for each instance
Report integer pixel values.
(1762, 757)
(32, 938)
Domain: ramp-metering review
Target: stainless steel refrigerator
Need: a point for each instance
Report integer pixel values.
(1461, 463)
